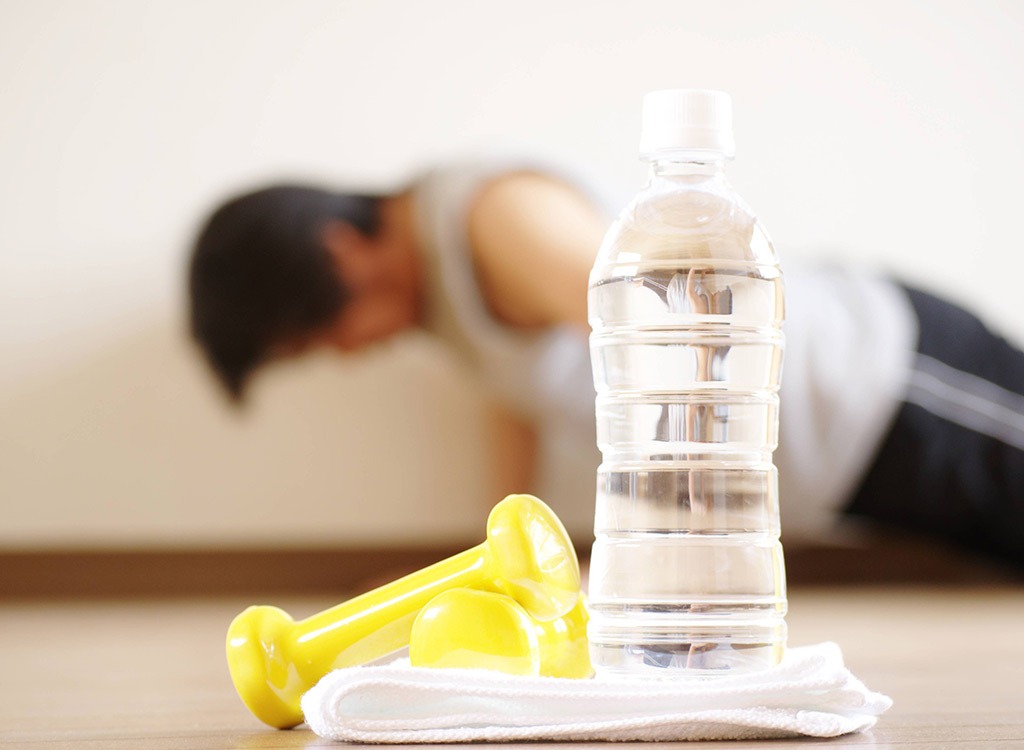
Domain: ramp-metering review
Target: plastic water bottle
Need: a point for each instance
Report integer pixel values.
(685, 302)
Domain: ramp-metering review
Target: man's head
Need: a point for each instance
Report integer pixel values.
(287, 268)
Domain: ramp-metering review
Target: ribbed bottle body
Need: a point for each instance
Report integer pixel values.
(686, 307)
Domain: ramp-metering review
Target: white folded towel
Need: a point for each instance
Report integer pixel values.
(810, 693)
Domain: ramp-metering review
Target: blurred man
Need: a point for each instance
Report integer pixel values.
(896, 405)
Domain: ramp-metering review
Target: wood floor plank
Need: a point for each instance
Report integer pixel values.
(150, 674)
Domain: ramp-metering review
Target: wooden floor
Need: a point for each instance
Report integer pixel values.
(151, 675)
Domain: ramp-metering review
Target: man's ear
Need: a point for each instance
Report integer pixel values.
(350, 251)
(337, 236)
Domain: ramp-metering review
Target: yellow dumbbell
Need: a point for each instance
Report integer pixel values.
(274, 659)
(470, 629)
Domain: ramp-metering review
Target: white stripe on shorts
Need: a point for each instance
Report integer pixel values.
(967, 400)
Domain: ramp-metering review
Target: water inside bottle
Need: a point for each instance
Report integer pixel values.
(687, 573)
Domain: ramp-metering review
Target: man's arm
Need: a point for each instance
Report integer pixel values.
(534, 240)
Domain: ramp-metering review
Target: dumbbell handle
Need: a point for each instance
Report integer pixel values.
(377, 623)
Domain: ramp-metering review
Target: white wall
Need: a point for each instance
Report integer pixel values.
(886, 132)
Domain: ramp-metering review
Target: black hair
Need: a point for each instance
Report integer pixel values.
(260, 272)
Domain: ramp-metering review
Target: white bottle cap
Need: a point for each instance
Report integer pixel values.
(686, 121)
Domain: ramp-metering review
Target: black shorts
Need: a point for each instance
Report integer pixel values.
(953, 463)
